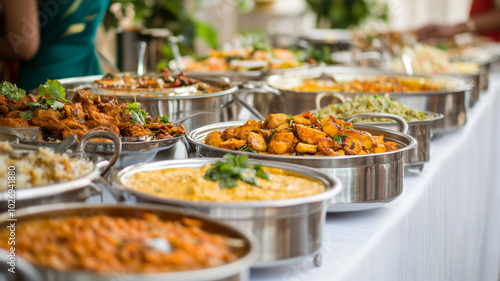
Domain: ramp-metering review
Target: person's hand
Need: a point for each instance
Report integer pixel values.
(438, 31)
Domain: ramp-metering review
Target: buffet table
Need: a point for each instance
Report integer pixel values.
(444, 226)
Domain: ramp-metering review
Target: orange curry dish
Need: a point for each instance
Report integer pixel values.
(106, 244)
(303, 134)
(383, 84)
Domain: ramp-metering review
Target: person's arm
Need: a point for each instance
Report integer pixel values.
(487, 21)
(22, 30)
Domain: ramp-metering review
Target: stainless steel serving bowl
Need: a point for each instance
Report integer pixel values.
(76, 190)
(451, 103)
(368, 181)
(220, 104)
(286, 229)
(237, 270)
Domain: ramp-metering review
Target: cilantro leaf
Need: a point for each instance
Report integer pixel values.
(164, 119)
(34, 105)
(27, 115)
(235, 168)
(54, 104)
(177, 135)
(138, 115)
(53, 89)
(136, 119)
(11, 91)
(337, 139)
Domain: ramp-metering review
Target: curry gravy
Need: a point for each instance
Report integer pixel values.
(189, 184)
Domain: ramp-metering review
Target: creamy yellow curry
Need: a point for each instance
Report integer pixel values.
(190, 184)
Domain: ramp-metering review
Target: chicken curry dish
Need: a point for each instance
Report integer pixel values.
(59, 118)
(303, 134)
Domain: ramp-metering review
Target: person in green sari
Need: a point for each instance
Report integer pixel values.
(52, 38)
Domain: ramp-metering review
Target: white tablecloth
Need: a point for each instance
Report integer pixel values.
(444, 226)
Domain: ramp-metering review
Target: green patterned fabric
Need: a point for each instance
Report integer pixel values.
(66, 49)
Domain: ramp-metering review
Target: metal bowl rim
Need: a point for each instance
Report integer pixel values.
(412, 142)
(91, 79)
(52, 189)
(467, 86)
(199, 274)
(332, 184)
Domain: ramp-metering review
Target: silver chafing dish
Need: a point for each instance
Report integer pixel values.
(451, 103)
(235, 271)
(287, 230)
(76, 190)
(219, 104)
(368, 181)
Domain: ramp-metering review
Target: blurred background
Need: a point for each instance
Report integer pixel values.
(226, 24)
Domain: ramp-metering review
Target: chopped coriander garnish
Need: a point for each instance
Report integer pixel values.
(177, 135)
(164, 119)
(11, 91)
(27, 115)
(54, 89)
(235, 168)
(138, 115)
(337, 139)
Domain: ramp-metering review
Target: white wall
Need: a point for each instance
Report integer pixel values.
(411, 14)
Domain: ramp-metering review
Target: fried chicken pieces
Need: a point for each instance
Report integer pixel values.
(302, 134)
(87, 112)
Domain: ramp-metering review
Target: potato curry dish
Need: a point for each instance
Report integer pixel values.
(58, 118)
(383, 84)
(303, 134)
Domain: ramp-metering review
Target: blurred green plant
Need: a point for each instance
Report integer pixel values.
(348, 13)
(170, 14)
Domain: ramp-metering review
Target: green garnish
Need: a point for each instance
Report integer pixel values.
(11, 91)
(50, 95)
(34, 105)
(235, 168)
(347, 127)
(54, 89)
(337, 139)
(138, 115)
(27, 115)
(177, 135)
(164, 119)
(289, 116)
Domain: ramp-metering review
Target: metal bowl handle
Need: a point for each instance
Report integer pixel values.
(102, 135)
(252, 87)
(322, 95)
(403, 126)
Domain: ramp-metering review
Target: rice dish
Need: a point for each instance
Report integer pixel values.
(40, 168)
